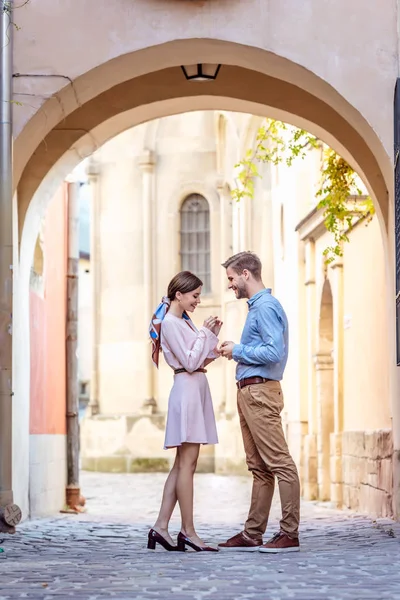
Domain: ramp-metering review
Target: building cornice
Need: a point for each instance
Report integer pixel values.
(312, 226)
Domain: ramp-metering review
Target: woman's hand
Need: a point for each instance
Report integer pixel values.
(210, 323)
(213, 324)
(217, 327)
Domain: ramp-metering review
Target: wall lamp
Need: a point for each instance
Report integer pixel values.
(201, 72)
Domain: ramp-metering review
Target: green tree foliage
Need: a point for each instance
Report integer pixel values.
(338, 195)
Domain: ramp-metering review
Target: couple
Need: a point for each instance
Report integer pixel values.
(261, 359)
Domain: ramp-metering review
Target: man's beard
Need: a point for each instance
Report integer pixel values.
(241, 292)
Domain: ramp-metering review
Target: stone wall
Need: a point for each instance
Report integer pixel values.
(131, 444)
(367, 471)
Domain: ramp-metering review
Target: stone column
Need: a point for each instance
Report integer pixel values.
(235, 227)
(244, 223)
(224, 197)
(324, 387)
(338, 332)
(310, 440)
(147, 164)
(338, 349)
(93, 171)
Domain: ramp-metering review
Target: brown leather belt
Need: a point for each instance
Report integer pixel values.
(251, 381)
(176, 371)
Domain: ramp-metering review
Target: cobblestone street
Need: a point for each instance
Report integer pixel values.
(102, 553)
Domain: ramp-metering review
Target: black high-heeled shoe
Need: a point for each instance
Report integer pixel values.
(184, 541)
(155, 538)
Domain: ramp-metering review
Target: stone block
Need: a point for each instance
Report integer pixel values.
(336, 444)
(310, 468)
(353, 443)
(336, 469)
(88, 463)
(372, 466)
(310, 446)
(148, 465)
(370, 475)
(385, 475)
(378, 444)
(337, 494)
(371, 480)
(310, 490)
(375, 502)
(354, 470)
(386, 444)
(111, 464)
(346, 495)
(206, 464)
(354, 497)
(229, 466)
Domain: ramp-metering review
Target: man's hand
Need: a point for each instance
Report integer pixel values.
(226, 349)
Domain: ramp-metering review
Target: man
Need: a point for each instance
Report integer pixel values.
(261, 358)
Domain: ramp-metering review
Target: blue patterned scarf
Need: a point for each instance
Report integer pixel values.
(155, 327)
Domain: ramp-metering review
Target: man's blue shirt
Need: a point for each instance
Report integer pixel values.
(264, 345)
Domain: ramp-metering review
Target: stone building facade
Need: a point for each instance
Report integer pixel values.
(161, 202)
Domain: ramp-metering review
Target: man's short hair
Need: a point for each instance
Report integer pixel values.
(245, 260)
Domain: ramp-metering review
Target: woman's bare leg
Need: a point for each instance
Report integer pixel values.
(168, 502)
(188, 455)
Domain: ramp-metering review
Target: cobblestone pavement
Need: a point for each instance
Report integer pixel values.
(102, 553)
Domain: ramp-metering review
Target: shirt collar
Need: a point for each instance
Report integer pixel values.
(254, 298)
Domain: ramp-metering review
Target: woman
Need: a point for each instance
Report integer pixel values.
(190, 420)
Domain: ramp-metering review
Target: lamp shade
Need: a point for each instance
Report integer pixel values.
(201, 72)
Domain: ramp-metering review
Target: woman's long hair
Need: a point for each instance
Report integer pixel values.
(183, 282)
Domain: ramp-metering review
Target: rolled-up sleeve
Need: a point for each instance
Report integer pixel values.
(272, 347)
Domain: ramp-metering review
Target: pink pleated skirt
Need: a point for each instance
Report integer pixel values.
(190, 412)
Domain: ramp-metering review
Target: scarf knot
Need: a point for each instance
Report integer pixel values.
(155, 328)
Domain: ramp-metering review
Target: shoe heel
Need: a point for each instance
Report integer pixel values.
(151, 544)
(181, 546)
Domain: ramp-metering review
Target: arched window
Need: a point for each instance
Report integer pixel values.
(195, 238)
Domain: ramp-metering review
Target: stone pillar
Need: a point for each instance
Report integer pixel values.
(311, 331)
(338, 349)
(93, 171)
(310, 441)
(244, 223)
(336, 472)
(324, 389)
(338, 332)
(146, 164)
(224, 197)
(235, 227)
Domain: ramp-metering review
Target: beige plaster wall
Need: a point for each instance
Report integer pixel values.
(366, 358)
(102, 36)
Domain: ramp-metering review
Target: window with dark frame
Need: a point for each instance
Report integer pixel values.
(195, 238)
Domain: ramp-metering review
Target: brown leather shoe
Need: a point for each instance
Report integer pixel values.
(241, 542)
(280, 543)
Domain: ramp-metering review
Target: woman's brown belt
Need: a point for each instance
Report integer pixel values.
(176, 371)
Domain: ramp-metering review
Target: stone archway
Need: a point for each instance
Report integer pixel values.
(324, 380)
(122, 93)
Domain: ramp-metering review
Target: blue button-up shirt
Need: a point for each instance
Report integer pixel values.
(264, 345)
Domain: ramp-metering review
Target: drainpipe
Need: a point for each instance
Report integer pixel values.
(73, 490)
(10, 513)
